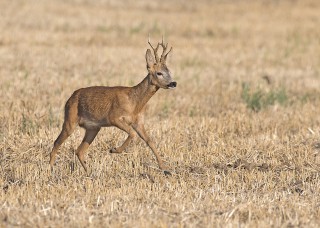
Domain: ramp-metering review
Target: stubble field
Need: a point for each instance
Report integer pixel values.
(240, 133)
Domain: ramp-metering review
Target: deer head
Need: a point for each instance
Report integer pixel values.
(159, 73)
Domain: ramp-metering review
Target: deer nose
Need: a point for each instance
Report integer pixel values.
(172, 85)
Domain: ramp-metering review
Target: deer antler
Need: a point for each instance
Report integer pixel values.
(155, 50)
(164, 48)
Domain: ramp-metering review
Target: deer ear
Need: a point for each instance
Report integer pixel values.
(149, 59)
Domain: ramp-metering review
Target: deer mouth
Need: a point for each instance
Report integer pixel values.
(172, 85)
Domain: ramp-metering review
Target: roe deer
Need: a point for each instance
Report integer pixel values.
(122, 107)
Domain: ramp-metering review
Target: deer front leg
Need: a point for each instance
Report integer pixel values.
(131, 135)
(121, 148)
(139, 128)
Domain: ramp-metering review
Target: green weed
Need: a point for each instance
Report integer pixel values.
(258, 99)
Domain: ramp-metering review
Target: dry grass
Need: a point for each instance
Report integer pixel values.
(231, 165)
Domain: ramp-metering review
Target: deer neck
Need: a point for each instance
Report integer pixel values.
(143, 92)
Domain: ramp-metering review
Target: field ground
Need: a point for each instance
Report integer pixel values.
(240, 133)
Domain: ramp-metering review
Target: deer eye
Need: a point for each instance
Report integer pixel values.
(159, 73)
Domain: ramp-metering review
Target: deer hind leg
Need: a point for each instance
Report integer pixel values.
(131, 135)
(67, 129)
(70, 123)
(87, 140)
(139, 128)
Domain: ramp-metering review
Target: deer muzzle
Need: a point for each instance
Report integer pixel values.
(172, 85)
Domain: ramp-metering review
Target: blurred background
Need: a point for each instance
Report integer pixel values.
(54, 47)
(58, 46)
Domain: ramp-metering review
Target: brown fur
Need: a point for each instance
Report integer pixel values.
(122, 107)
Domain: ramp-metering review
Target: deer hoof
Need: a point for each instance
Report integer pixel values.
(167, 173)
(113, 150)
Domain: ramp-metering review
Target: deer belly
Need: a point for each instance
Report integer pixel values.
(88, 123)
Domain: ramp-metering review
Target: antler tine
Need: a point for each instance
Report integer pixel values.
(164, 46)
(168, 52)
(155, 50)
(164, 54)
